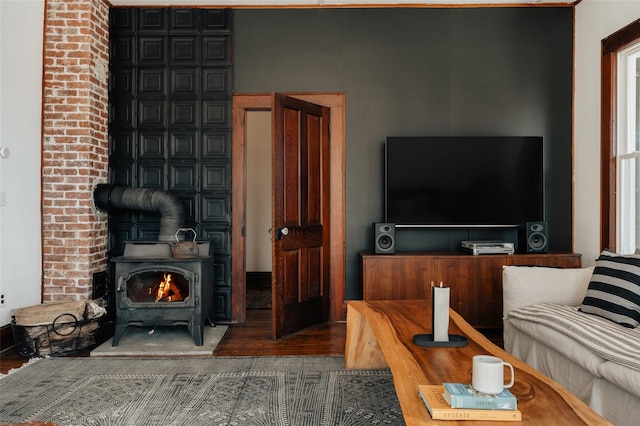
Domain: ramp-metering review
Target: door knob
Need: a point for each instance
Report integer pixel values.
(282, 232)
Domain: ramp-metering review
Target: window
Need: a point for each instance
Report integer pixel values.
(628, 152)
(620, 154)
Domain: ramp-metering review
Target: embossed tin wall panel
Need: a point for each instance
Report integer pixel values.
(170, 124)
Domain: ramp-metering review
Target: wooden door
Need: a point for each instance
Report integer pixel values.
(300, 193)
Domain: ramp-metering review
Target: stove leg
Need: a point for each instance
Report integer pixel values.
(197, 332)
(198, 335)
(118, 333)
(210, 321)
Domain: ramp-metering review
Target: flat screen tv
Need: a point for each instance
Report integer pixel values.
(464, 181)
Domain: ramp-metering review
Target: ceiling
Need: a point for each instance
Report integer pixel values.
(340, 3)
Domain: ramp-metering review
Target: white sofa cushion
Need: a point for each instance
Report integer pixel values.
(605, 338)
(555, 340)
(530, 285)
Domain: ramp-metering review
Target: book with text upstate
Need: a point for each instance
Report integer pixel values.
(460, 395)
(440, 410)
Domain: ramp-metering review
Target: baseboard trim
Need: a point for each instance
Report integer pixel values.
(258, 279)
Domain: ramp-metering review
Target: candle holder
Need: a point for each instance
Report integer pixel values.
(440, 322)
(455, 341)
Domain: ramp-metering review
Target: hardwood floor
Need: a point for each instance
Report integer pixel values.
(253, 338)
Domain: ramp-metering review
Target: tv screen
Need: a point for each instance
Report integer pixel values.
(464, 181)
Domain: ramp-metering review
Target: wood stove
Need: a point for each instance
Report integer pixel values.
(153, 288)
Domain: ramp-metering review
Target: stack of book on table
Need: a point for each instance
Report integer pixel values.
(457, 401)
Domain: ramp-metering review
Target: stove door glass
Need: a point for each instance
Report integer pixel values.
(156, 287)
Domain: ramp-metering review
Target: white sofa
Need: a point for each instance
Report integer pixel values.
(594, 358)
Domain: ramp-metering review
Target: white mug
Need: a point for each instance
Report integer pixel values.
(487, 375)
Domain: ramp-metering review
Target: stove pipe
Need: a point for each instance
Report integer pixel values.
(107, 196)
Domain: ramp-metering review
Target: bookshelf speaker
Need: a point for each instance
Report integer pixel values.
(384, 235)
(534, 237)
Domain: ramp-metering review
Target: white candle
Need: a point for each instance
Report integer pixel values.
(440, 313)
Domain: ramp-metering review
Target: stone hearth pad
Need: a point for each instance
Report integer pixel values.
(164, 341)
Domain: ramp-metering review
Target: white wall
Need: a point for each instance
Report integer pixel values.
(595, 20)
(21, 26)
(258, 191)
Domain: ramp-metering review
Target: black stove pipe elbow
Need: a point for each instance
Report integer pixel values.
(108, 196)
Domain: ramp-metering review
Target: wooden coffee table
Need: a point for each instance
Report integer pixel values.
(380, 333)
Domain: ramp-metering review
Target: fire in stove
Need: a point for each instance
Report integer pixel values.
(166, 291)
(157, 287)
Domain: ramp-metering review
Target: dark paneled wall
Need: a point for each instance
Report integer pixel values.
(170, 125)
(417, 72)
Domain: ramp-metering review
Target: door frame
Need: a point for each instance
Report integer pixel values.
(242, 103)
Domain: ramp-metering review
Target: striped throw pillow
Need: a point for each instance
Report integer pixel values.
(614, 289)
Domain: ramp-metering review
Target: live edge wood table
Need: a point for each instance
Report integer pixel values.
(380, 333)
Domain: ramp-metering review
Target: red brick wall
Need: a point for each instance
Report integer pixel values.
(75, 145)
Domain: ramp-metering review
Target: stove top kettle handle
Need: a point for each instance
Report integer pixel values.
(186, 230)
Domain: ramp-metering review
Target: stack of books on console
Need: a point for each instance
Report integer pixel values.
(457, 401)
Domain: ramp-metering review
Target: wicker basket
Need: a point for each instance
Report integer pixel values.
(66, 335)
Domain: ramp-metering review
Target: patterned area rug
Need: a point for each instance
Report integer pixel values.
(258, 298)
(265, 391)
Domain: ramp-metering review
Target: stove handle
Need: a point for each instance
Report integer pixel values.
(120, 284)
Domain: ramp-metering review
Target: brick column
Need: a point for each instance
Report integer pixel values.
(75, 145)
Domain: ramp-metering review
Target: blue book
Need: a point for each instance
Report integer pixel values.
(460, 395)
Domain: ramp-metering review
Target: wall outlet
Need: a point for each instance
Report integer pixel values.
(3, 198)
(3, 300)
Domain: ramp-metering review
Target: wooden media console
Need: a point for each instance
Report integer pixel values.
(475, 281)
